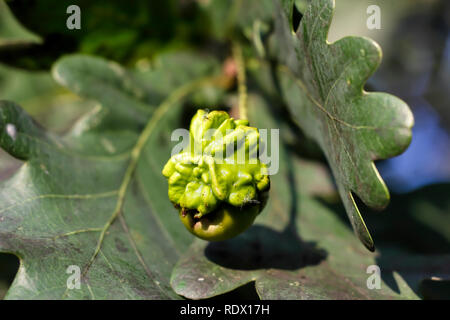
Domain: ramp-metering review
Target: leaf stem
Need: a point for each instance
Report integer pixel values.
(256, 37)
(242, 87)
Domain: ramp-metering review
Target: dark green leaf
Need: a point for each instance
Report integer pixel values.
(323, 85)
(94, 198)
(299, 248)
(11, 31)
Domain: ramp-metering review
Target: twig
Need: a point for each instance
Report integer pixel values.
(242, 87)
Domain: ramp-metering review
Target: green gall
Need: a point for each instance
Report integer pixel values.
(217, 181)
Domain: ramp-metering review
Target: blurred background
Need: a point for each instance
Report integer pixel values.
(414, 36)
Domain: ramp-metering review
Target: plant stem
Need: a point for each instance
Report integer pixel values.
(242, 87)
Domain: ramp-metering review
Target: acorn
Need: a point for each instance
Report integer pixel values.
(217, 182)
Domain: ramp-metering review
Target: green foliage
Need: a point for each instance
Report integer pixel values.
(323, 83)
(94, 196)
(298, 248)
(108, 171)
(115, 30)
(11, 31)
